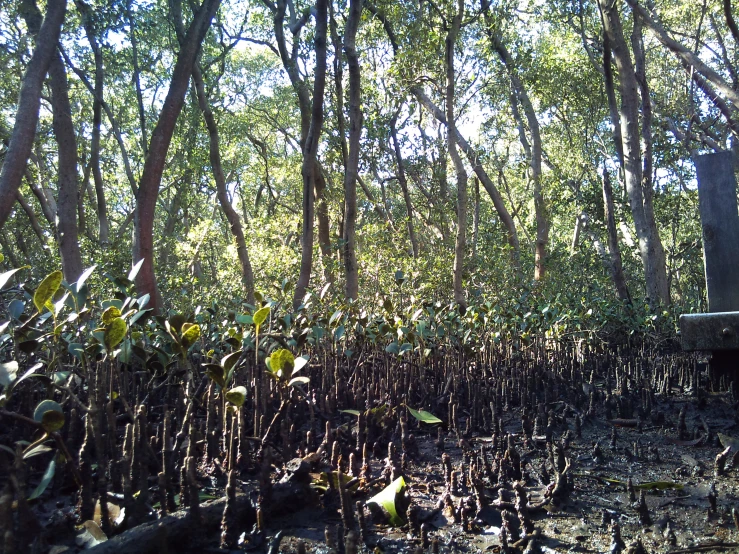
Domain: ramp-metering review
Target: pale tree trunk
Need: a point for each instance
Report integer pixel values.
(310, 148)
(616, 265)
(657, 251)
(472, 157)
(97, 109)
(460, 242)
(352, 165)
(143, 244)
(533, 148)
(654, 272)
(487, 182)
(27, 114)
(403, 182)
(214, 151)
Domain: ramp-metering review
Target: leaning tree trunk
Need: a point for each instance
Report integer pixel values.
(352, 162)
(310, 148)
(26, 116)
(404, 187)
(143, 243)
(460, 242)
(533, 149)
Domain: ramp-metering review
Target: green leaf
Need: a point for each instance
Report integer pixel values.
(423, 416)
(135, 270)
(36, 450)
(85, 275)
(282, 363)
(8, 373)
(45, 480)
(50, 415)
(301, 380)
(216, 373)
(5, 277)
(110, 314)
(386, 500)
(237, 396)
(230, 360)
(300, 363)
(260, 316)
(46, 290)
(114, 333)
(190, 334)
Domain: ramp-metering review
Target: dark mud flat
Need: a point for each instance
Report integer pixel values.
(620, 452)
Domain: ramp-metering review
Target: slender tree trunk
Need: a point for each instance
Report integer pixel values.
(476, 218)
(26, 116)
(137, 78)
(97, 112)
(352, 165)
(656, 250)
(533, 149)
(33, 220)
(247, 275)
(612, 102)
(310, 149)
(487, 183)
(68, 178)
(629, 111)
(143, 247)
(214, 151)
(460, 242)
(616, 266)
(403, 182)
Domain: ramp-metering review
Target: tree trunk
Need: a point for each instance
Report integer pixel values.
(97, 109)
(27, 115)
(137, 78)
(143, 244)
(476, 218)
(460, 242)
(628, 87)
(487, 183)
(68, 188)
(352, 164)
(616, 266)
(247, 275)
(404, 187)
(33, 220)
(533, 149)
(310, 148)
(657, 251)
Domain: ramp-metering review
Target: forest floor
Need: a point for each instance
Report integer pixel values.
(465, 494)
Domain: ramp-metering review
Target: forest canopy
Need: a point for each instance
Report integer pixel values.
(521, 152)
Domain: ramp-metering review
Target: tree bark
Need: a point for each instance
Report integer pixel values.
(247, 275)
(97, 109)
(487, 183)
(352, 163)
(657, 251)
(616, 265)
(143, 247)
(629, 112)
(137, 78)
(460, 242)
(403, 182)
(27, 115)
(68, 188)
(33, 220)
(684, 53)
(476, 218)
(533, 148)
(310, 148)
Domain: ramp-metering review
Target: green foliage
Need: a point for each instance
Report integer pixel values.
(46, 291)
